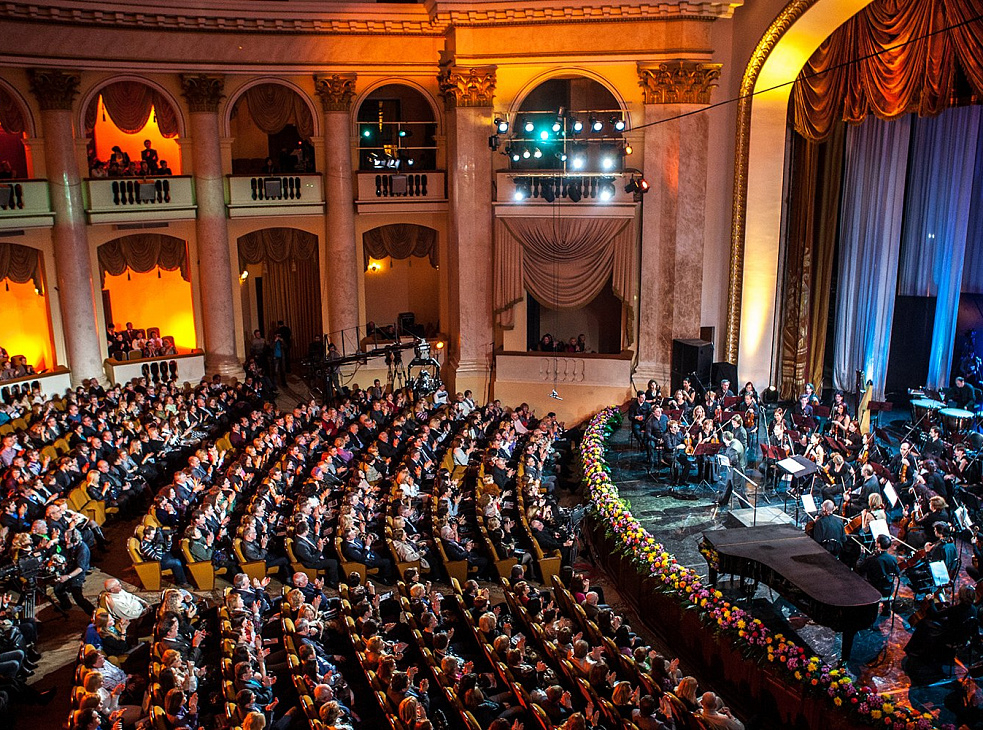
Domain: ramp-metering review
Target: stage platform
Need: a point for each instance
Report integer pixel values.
(678, 518)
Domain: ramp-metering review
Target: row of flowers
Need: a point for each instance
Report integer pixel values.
(652, 558)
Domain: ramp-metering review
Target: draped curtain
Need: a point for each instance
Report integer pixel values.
(870, 236)
(817, 171)
(563, 262)
(20, 264)
(11, 116)
(852, 74)
(129, 104)
(973, 262)
(143, 252)
(274, 106)
(291, 280)
(940, 186)
(400, 241)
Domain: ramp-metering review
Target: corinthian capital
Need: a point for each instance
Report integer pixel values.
(54, 89)
(678, 82)
(473, 86)
(336, 91)
(203, 91)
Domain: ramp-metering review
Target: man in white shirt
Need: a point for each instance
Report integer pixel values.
(122, 604)
(715, 715)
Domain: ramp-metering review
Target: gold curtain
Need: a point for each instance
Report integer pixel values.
(852, 74)
(811, 241)
(400, 240)
(11, 116)
(291, 280)
(274, 106)
(129, 103)
(143, 252)
(20, 264)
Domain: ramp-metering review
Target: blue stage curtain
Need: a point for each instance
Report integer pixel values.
(937, 206)
(973, 266)
(870, 244)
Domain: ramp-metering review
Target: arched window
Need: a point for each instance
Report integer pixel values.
(13, 129)
(397, 130)
(272, 127)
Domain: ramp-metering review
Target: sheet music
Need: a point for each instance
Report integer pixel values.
(892, 496)
(878, 528)
(940, 574)
(791, 466)
(809, 504)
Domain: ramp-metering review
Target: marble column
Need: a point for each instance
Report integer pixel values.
(674, 211)
(336, 92)
(203, 93)
(469, 94)
(55, 92)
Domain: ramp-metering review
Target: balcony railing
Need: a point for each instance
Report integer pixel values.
(25, 204)
(538, 189)
(115, 200)
(392, 191)
(255, 195)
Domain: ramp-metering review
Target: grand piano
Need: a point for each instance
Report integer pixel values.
(795, 565)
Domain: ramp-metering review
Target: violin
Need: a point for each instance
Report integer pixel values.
(749, 417)
(689, 444)
(910, 521)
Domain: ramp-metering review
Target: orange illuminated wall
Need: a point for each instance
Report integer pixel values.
(26, 327)
(149, 301)
(107, 136)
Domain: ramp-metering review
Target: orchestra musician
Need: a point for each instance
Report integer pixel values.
(689, 393)
(881, 570)
(839, 422)
(903, 468)
(748, 411)
(724, 390)
(680, 463)
(963, 395)
(653, 392)
(839, 478)
(679, 403)
(803, 407)
(828, 529)
(839, 400)
(944, 626)
(854, 500)
(934, 447)
(810, 394)
(741, 434)
(749, 390)
(656, 426)
(706, 435)
(734, 452)
(638, 411)
(921, 524)
(854, 442)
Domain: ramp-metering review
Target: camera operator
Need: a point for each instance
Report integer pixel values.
(71, 581)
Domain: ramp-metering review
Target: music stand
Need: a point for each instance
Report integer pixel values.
(706, 449)
(731, 400)
(877, 407)
(797, 467)
(775, 453)
(821, 411)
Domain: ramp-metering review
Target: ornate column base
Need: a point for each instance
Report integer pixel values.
(472, 375)
(646, 371)
(223, 365)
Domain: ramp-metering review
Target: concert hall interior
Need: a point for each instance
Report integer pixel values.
(443, 364)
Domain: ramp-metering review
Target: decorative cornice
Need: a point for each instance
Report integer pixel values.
(735, 287)
(355, 18)
(203, 91)
(336, 91)
(54, 89)
(678, 82)
(473, 86)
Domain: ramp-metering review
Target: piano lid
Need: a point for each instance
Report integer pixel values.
(795, 556)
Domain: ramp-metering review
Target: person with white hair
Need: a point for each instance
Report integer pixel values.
(828, 529)
(715, 715)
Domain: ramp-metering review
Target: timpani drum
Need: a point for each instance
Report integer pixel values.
(955, 420)
(923, 412)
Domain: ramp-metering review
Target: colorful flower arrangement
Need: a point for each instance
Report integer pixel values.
(652, 558)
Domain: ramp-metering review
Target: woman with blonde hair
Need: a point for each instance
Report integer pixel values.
(686, 692)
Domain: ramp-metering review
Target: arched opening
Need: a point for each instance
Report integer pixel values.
(571, 123)
(25, 306)
(146, 282)
(401, 277)
(272, 127)
(280, 282)
(397, 130)
(132, 130)
(13, 130)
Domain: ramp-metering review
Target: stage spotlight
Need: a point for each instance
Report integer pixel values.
(409, 161)
(529, 126)
(628, 149)
(619, 124)
(606, 189)
(557, 126)
(574, 192)
(596, 124)
(607, 162)
(367, 132)
(578, 162)
(493, 142)
(514, 154)
(404, 133)
(632, 186)
(521, 190)
(561, 156)
(548, 193)
(526, 154)
(643, 184)
(544, 135)
(501, 125)
(578, 126)
(537, 153)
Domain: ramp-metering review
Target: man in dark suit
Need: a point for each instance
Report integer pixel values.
(311, 554)
(638, 412)
(881, 569)
(254, 549)
(828, 530)
(358, 551)
(190, 650)
(456, 550)
(549, 542)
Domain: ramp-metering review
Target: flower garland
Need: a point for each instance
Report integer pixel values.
(652, 558)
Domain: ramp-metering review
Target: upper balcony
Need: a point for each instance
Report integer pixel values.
(390, 192)
(593, 193)
(252, 196)
(25, 204)
(127, 199)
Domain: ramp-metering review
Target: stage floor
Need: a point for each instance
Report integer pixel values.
(679, 521)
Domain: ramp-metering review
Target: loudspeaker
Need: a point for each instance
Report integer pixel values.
(725, 371)
(691, 356)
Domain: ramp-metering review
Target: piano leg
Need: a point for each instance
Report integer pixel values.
(847, 645)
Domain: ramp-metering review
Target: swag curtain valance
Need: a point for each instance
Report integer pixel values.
(143, 252)
(277, 245)
(20, 264)
(11, 117)
(914, 76)
(129, 104)
(564, 262)
(400, 241)
(274, 106)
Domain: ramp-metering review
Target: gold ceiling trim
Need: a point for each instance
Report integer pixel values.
(735, 289)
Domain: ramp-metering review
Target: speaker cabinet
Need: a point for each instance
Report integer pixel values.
(691, 356)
